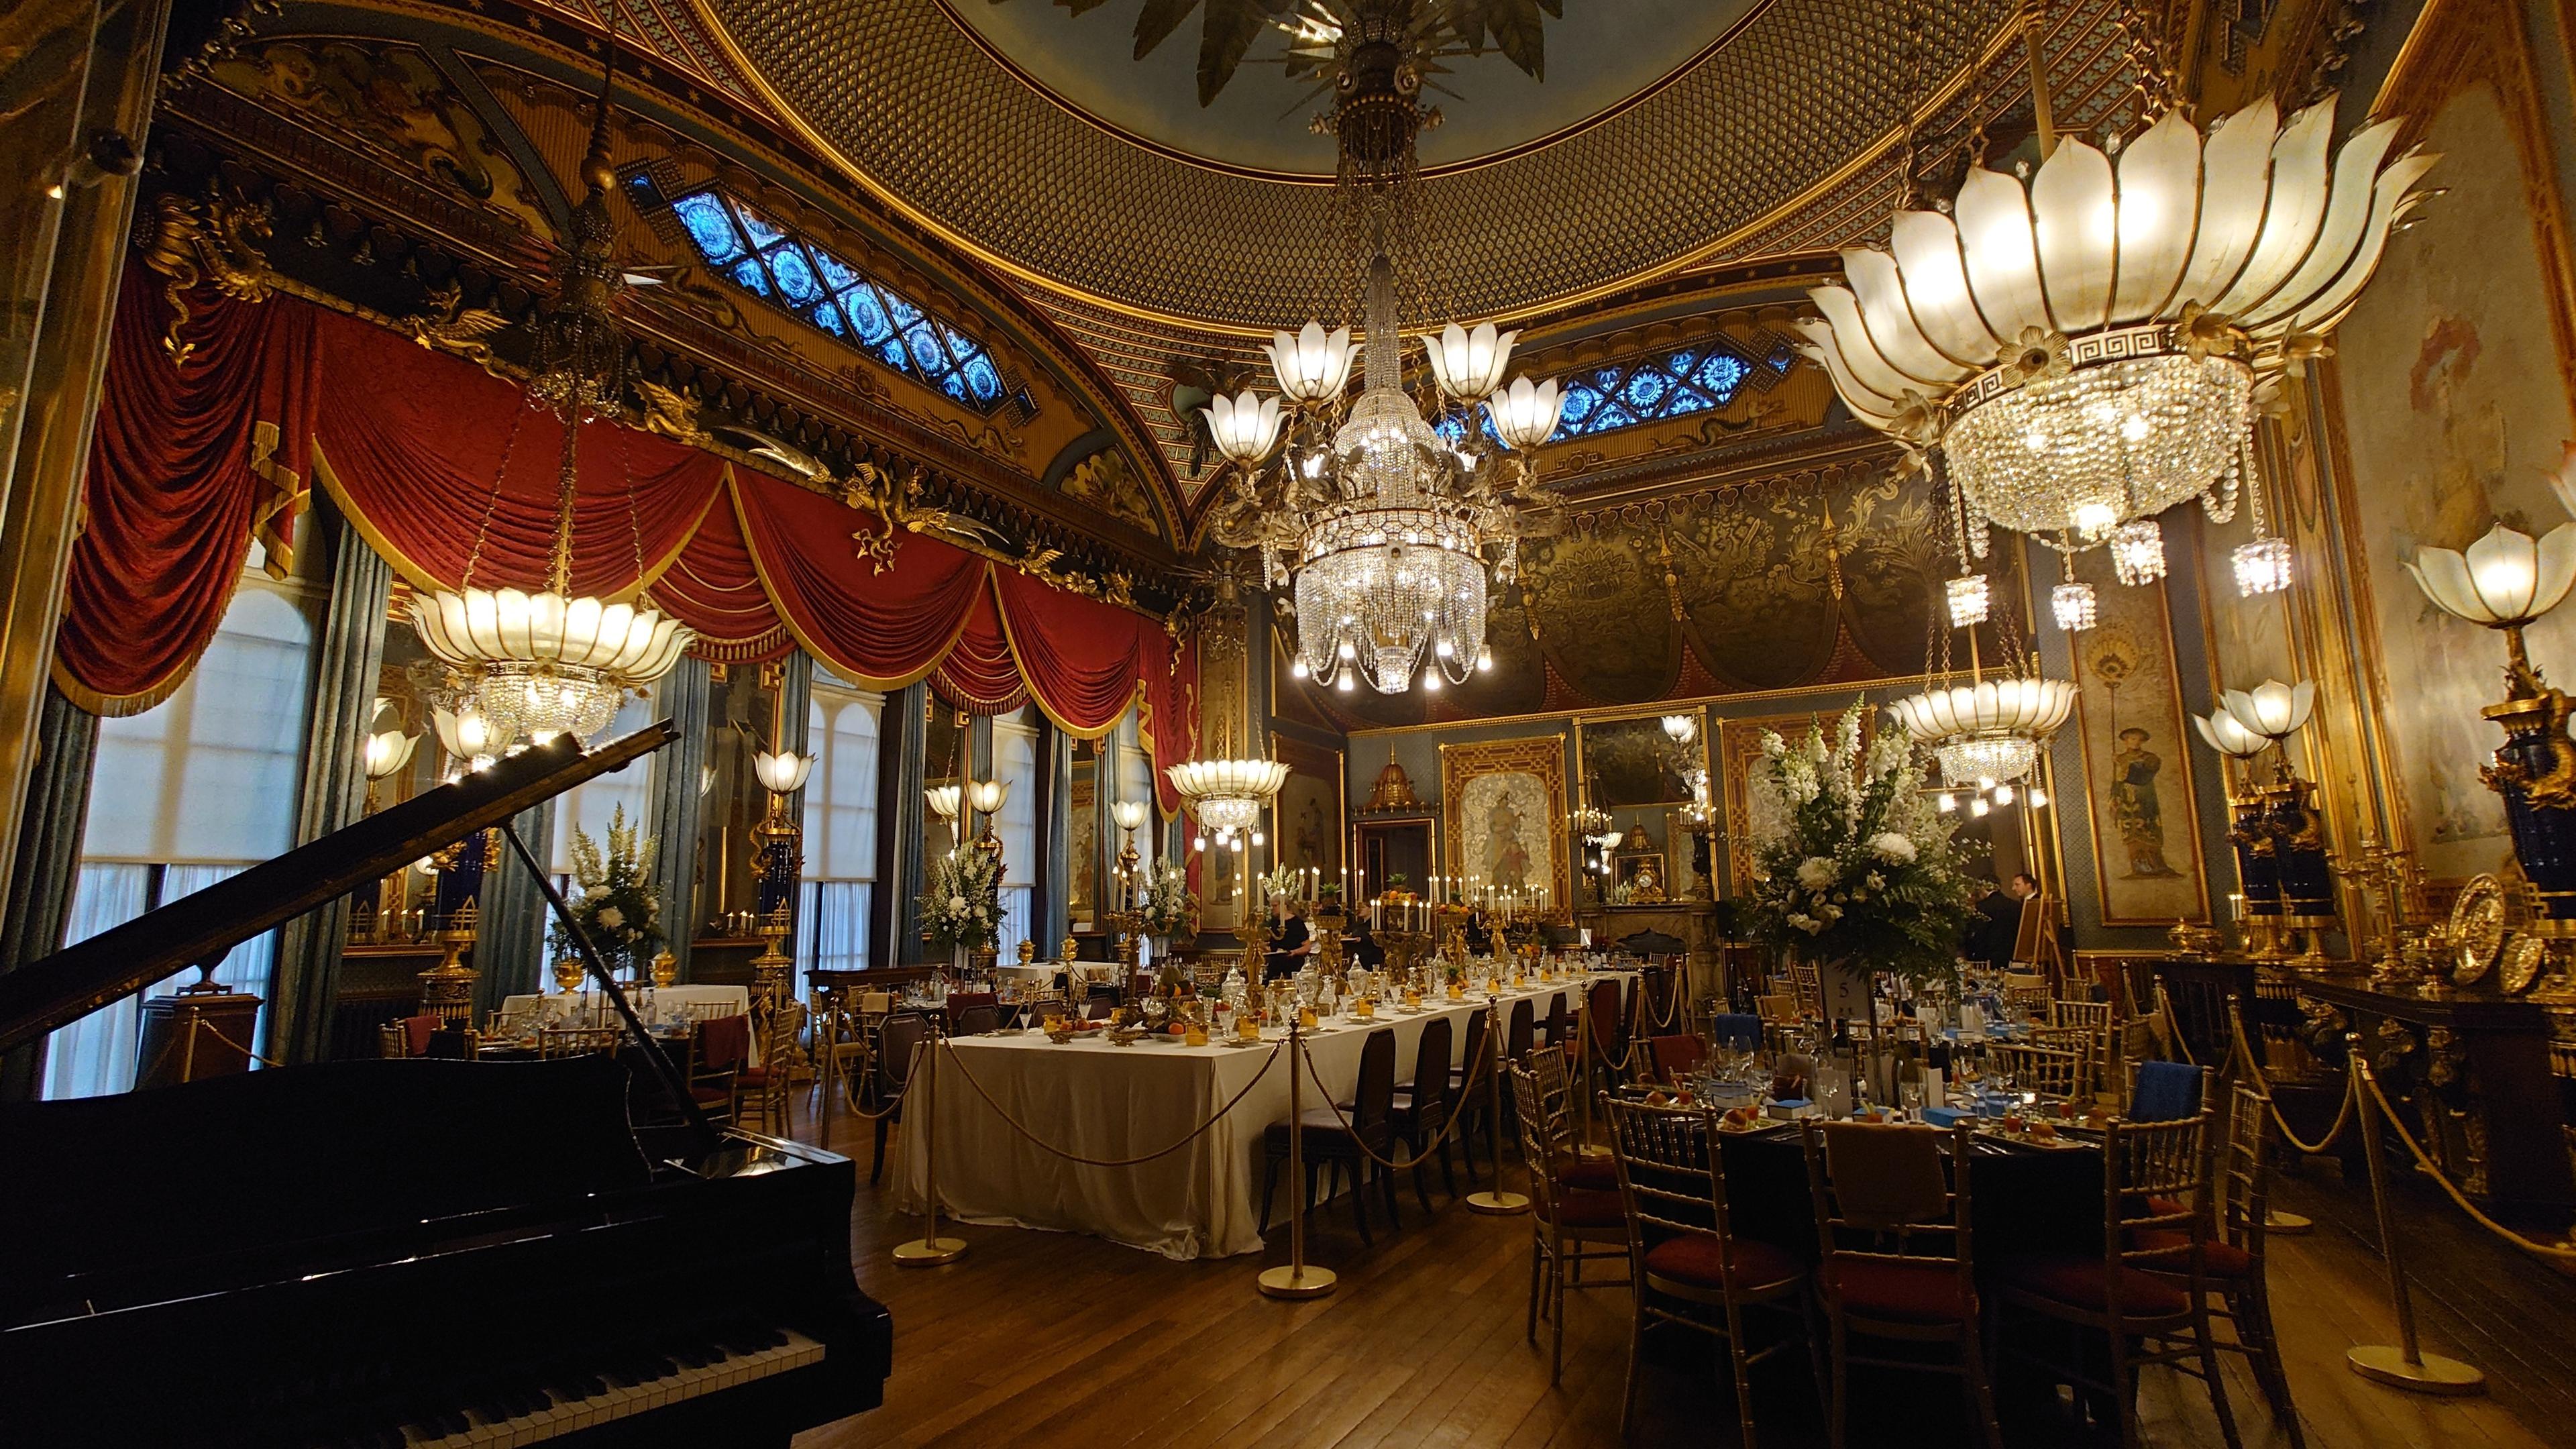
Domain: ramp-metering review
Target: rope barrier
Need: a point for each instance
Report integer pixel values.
(850, 1087)
(1475, 1074)
(1046, 1146)
(218, 1034)
(2558, 1252)
(2244, 1051)
(2173, 1028)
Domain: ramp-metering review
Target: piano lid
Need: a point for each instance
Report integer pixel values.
(116, 963)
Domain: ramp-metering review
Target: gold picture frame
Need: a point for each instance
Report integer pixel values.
(1489, 790)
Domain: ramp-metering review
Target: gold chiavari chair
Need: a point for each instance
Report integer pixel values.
(576, 1041)
(2094, 1015)
(2027, 992)
(2232, 1260)
(1804, 984)
(2053, 1075)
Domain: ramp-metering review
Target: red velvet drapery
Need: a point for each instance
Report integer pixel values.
(409, 442)
(185, 458)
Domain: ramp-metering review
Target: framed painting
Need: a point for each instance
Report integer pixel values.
(1082, 836)
(2137, 756)
(1503, 802)
(1310, 817)
(1753, 816)
(2452, 379)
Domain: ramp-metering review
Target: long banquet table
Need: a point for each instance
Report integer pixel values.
(1109, 1103)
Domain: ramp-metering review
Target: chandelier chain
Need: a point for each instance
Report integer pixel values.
(483, 529)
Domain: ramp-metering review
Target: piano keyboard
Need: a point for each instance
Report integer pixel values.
(537, 1412)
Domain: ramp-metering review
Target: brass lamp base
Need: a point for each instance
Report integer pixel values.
(2386, 1363)
(1296, 1281)
(1497, 1203)
(929, 1252)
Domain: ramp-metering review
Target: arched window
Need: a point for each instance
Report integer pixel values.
(1015, 760)
(840, 827)
(794, 274)
(593, 804)
(183, 795)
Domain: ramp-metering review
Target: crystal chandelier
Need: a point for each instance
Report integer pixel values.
(2086, 351)
(1988, 730)
(1390, 531)
(551, 663)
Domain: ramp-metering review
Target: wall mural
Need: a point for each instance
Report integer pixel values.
(2455, 405)
(1506, 819)
(1082, 840)
(1631, 762)
(2137, 756)
(1802, 581)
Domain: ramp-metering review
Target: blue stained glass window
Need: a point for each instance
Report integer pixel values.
(1646, 388)
(838, 275)
(867, 314)
(796, 279)
(1576, 415)
(1782, 358)
(1721, 375)
(773, 264)
(710, 230)
(757, 227)
(926, 353)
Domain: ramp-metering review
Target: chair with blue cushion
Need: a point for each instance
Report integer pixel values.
(2167, 1091)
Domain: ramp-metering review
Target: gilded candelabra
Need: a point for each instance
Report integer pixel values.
(447, 989)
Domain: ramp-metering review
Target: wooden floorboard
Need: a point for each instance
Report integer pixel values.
(1051, 1338)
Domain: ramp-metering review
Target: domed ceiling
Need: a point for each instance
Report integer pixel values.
(1028, 135)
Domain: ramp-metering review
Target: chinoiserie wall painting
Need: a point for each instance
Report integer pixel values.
(1308, 817)
(2454, 376)
(1504, 803)
(2137, 756)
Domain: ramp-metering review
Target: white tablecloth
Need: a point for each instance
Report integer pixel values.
(1040, 975)
(656, 1004)
(1109, 1102)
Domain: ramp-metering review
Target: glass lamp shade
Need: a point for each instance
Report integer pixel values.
(2138, 552)
(545, 664)
(2075, 606)
(2272, 709)
(2504, 579)
(944, 800)
(1228, 795)
(385, 754)
(782, 773)
(2262, 566)
(1311, 365)
(465, 734)
(1968, 600)
(1244, 426)
(1680, 728)
(1469, 364)
(1129, 814)
(2091, 339)
(1525, 413)
(2223, 734)
(987, 795)
(1989, 730)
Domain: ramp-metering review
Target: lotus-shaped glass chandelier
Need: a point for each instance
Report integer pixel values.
(1391, 532)
(1227, 794)
(1989, 731)
(2085, 351)
(2504, 581)
(2223, 734)
(550, 663)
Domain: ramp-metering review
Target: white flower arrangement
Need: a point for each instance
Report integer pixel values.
(1865, 870)
(961, 900)
(1167, 904)
(616, 905)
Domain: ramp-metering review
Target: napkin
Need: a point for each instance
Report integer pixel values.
(1945, 1116)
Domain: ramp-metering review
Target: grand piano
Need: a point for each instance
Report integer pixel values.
(411, 1252)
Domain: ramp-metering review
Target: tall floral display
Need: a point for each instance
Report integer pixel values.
(1168, 907)
(1860, 873)
(961, 904)
(616, 907)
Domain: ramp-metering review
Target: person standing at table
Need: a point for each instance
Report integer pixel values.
(1290, 943)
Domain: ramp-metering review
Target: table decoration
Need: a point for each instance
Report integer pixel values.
(617, 906)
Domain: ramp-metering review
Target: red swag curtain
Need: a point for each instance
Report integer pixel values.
(183, 461)
(411, 443)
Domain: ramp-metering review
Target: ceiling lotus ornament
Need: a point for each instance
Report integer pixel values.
(2095, 337)
(1469, 365)
(1312, 366)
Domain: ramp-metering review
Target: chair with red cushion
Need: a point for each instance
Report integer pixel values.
(961, 1002)
(1422, 1105)
(723, 1051)
(1569, 1225)
(2232, 1259)
(900, 1037)
(1687, 1264)
(2147, 1294)
(1896, 1259)
(1608, 1031)
(1675, 1057)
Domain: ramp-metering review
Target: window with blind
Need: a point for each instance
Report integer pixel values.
(182, 796)
(594, 803)
(840, 828)
(1015, 761)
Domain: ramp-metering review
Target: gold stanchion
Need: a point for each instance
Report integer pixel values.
(1296, 1279)
(2404, 1365)
(930, 1250)
(1496, 1200)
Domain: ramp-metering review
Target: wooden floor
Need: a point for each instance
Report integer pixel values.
(1047, 1338)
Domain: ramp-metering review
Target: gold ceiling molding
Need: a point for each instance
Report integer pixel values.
(1799, 96)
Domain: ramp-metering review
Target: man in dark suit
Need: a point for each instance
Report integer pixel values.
(1290, 942)
(1992, 936)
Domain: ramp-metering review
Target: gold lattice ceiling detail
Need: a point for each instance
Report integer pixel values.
(932, 122)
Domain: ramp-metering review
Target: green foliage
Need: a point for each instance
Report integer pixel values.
(961, 901)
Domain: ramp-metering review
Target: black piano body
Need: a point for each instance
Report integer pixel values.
(395, 1253)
